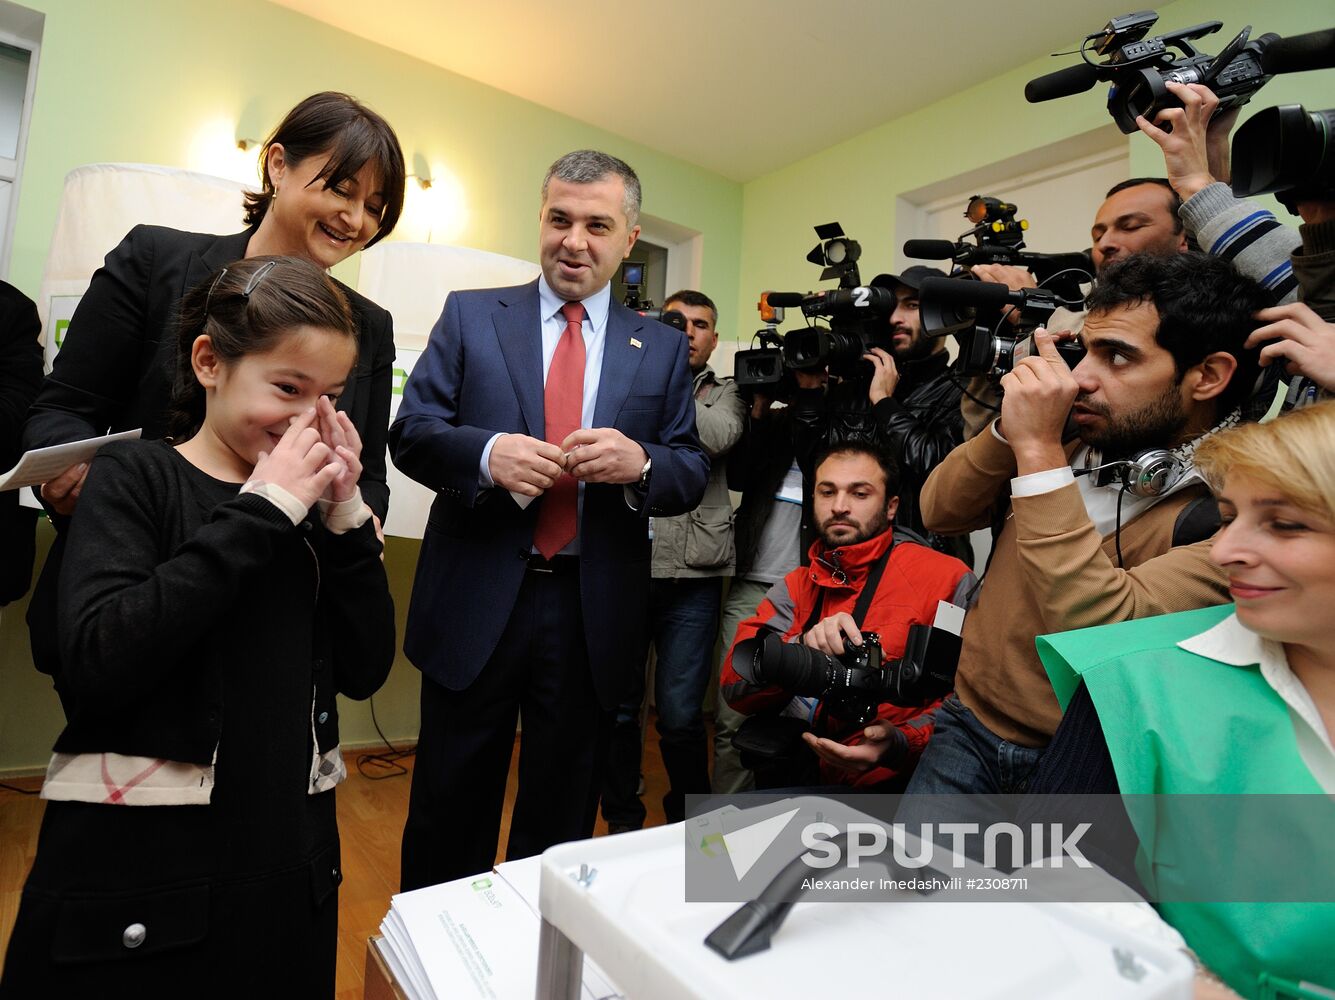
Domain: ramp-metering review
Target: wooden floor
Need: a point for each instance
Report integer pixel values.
(370, 823)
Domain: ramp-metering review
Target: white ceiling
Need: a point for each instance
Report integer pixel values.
(740, 87)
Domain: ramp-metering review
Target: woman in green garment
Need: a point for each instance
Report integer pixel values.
(1230, 700)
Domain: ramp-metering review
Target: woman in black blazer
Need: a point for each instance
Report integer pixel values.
(332, 178)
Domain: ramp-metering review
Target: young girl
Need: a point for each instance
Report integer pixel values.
(218, 592)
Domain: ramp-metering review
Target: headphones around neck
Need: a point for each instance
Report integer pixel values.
(1148, 474)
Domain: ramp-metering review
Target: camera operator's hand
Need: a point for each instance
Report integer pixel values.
(760, 406)
(1302, 340)
(1195, 142)
(1014, 278)
(881, 744)
(885, 376)
(1038, 393)
(811, 380)
(827, 635)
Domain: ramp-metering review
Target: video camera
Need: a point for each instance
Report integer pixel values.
(856, 316)
(1139, 67)
(852, 685)
(950, 305)
(978, 312)
(632, 276)
(1289, 151)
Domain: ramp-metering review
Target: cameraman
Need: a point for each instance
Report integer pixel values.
(1166, 365)
(1139, 215)
(909, 406)
(916, 403)
(854, 503)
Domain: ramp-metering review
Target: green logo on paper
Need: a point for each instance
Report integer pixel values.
(61, 325)
(481, 883)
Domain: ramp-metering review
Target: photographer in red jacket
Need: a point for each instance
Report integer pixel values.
(861, 579)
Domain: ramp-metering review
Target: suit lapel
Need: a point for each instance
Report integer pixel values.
(621, 360)
(221, 252)
(519, 331)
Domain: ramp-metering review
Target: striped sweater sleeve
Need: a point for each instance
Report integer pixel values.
(1246, 234)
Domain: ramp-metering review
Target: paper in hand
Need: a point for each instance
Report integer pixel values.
(43, 464)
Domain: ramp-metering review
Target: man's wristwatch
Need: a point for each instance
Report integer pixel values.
(643, 484)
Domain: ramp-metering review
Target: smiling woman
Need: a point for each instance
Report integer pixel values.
(332, 180)
(1237, 700)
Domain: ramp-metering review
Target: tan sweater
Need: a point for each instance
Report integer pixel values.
(1052, 572)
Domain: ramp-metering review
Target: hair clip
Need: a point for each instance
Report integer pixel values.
(257, 277)
(208, 299)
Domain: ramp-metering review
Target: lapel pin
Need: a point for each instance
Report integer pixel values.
(635, 343)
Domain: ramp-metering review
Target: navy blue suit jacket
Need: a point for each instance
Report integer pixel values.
(482, 374)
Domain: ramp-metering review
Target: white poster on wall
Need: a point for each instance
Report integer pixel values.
(411, 280)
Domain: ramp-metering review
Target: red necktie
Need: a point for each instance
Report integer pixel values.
(563, 411)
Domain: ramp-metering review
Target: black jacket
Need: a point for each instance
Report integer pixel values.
(20, 378)
(756, 467)
(922, 424)
(176, 585)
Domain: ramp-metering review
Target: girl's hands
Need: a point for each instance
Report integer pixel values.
(301, 462)
(345, 445)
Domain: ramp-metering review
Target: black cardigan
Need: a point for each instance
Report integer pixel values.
(174, 585)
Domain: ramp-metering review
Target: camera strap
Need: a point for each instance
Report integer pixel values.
(864, 598)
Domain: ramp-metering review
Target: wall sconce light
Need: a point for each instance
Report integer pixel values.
(423, 180)
(246, 145)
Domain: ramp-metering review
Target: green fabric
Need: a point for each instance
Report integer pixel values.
(1178, 724)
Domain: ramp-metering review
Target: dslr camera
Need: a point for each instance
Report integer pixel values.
(1139, 67)
(852, 685)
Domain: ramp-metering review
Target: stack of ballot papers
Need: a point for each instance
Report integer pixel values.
(474, 937)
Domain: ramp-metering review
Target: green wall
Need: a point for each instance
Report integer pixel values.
(858, 181)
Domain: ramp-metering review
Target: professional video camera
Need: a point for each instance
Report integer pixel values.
(856, 315)
(977, 312)
(852, 685)
(1286, 151)
(950, 304)
(1139, 67)
(632, 276)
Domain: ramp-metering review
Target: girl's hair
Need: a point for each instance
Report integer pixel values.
(245, 308)
(351, 135)
(1293, 454)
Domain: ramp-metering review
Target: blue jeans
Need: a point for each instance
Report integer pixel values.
(683, 617)
(964, 756)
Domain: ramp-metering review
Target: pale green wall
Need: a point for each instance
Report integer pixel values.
(133, 80)
(857, 182)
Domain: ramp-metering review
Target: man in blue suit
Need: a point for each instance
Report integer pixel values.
(552, 422)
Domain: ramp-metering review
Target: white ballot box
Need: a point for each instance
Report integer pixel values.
(620, 901)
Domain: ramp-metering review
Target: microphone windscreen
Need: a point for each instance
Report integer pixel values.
(785, 299)
(964, 292)
(1314, 50)
(929, 249)
(1063, 83)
